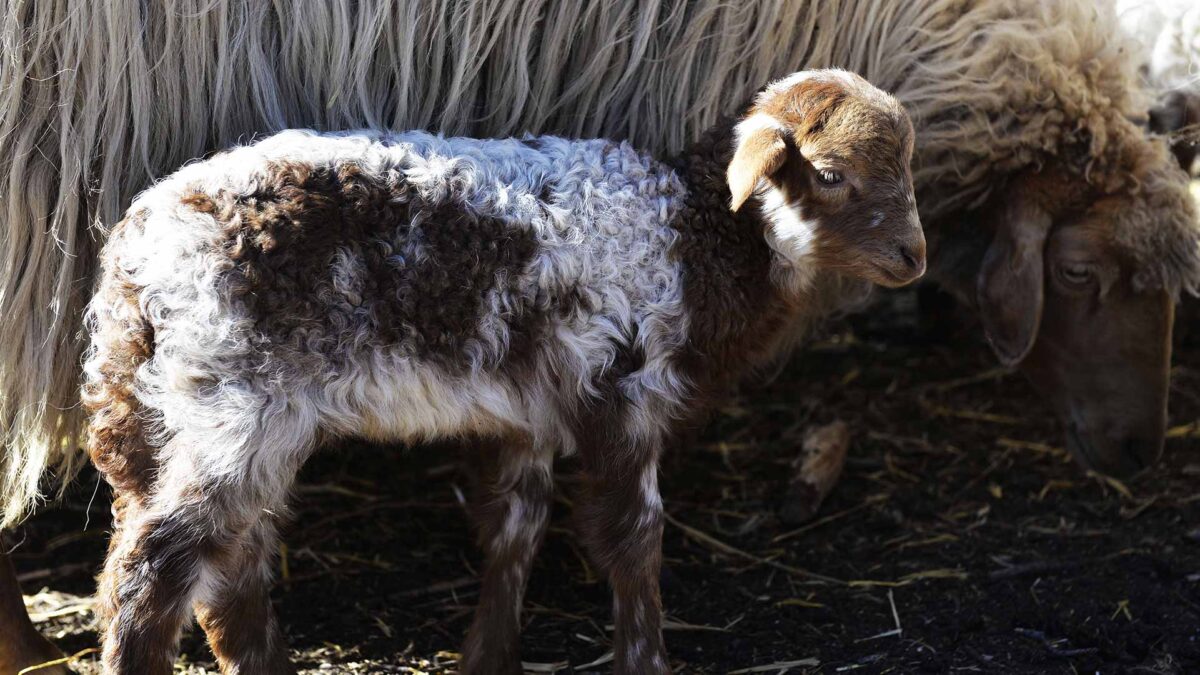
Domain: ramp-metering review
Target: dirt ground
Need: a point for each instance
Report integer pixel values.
(960, 539)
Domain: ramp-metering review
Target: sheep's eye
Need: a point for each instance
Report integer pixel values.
(1075, 274)
(829, 177)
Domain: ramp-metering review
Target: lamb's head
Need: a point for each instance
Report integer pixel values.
(827, 155)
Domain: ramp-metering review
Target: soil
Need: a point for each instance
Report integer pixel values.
(961, 537)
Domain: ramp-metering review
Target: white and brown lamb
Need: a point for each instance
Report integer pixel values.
(548, 295)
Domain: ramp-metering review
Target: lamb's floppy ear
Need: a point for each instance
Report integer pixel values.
(1010, 285)
(760, 152)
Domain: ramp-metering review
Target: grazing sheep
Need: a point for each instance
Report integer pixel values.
(557, 296)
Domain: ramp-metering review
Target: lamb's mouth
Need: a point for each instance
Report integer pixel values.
(891, 279)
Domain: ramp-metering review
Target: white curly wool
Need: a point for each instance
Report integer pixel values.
(606, 233)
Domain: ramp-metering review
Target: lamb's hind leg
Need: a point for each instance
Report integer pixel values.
(511, 512)
(177, 545)
(236, 613)
(145, 589)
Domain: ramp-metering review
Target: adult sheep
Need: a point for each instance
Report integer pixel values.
(1045, 204)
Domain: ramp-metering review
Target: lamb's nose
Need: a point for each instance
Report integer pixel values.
(912, 245)
(913, 256)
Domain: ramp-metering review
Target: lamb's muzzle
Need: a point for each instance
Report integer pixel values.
(544, 295)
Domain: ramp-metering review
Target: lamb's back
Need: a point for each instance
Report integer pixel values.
(307, 247)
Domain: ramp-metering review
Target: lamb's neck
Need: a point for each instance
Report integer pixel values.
(743, 300)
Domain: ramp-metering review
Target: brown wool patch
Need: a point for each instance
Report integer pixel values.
(421, 271)
(732, 305)
(116, 441)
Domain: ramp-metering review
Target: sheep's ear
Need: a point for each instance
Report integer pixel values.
(760, 152)
(1010, 285)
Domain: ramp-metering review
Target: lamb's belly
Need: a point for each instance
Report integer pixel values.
(413, 401)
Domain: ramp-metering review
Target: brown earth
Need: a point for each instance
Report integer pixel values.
(961, 537)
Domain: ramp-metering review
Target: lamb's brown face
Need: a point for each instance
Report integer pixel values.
(832, 154)
(850, 180)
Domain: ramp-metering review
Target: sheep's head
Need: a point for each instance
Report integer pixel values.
(1075, 287)
(828, 156)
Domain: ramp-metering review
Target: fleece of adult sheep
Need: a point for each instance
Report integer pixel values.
(546, 295)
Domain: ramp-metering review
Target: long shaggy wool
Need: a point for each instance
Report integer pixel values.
(98, 99)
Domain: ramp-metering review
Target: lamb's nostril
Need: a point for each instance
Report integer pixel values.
(912, 259)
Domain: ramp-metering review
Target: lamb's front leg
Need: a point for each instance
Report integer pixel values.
(621, 523)
(511, 512)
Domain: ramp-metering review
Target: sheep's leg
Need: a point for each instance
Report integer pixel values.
(21, 645)
(172, 545)
(237, 615)
(511, 513)
(621, 523)
(145, 588)
(164, 560)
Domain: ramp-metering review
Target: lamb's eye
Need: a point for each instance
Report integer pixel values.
(829, 177)
(1075, 274)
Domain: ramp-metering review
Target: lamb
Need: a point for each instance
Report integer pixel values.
(547, 295)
